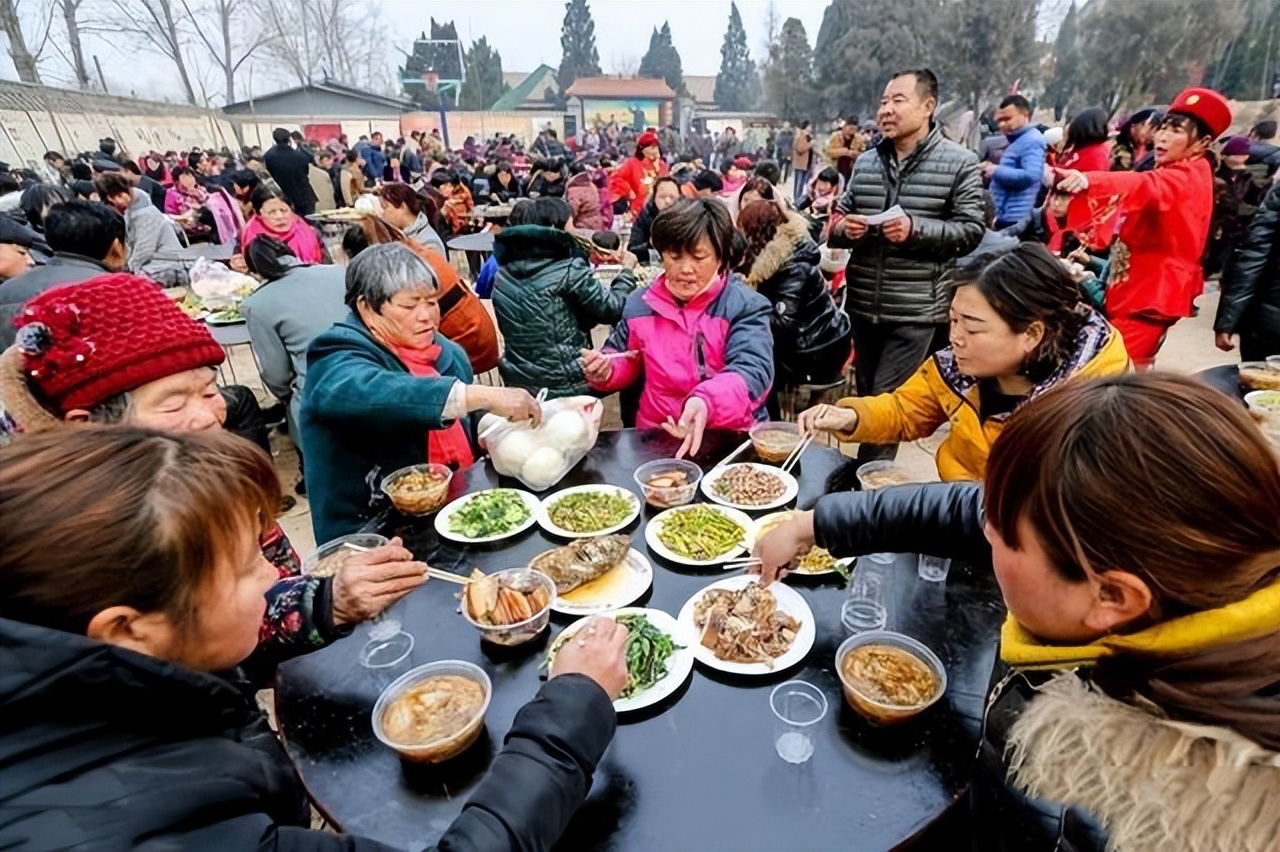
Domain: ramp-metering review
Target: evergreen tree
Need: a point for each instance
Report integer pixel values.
(578, 45)
(484, 83)
(1248, 66)
(1066, 63)
(788, 76)
(737, 85)
(992, 48)
(662, 60)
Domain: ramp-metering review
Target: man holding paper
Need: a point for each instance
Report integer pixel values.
(913, 205)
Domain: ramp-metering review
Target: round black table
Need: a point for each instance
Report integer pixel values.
(697, 771)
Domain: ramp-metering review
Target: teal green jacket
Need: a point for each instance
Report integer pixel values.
(547, 301)
(363, 416)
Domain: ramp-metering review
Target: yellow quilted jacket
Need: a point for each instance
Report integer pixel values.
(938, 393)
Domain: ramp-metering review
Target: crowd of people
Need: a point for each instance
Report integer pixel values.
(1132, 521)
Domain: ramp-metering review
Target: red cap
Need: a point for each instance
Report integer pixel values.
(647, 140)
(1205, 104)
(85, 343)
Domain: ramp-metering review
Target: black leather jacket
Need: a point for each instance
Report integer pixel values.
(811, 335)
(1251, 281)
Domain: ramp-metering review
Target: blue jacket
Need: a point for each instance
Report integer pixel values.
(363, 416)
(1016, 181)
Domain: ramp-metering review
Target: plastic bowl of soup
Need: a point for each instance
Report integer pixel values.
(418, 489)
(774, 440)
(888, 677)
(434, 712)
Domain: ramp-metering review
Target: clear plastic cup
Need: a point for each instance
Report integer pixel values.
(384, 660)
(864, 609)
(933, 568)
(798, 706)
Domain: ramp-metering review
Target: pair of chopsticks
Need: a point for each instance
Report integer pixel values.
(796, 453)
(733, 455)
(740, 563)
(438, 573)
(502, 421)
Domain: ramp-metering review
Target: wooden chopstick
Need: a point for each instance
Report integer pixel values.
(796, 453)
(447, 576)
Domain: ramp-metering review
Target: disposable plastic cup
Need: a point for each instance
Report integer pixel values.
(798, 706)
(933, 568)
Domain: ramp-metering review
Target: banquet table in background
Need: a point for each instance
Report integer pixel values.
(698, 770)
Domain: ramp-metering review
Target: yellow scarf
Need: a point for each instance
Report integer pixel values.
(1255, 616)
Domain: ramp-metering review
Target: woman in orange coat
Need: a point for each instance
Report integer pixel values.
(634, 179)
(1163, 214)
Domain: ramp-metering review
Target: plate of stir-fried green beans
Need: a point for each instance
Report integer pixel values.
(589, 510)
(659, 656)
(700, 535)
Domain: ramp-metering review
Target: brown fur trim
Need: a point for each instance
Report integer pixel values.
(1154, 784)
(17, 398)
(778, 251)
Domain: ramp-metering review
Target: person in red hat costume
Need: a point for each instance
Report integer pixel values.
(116, 350)
(634, 179)
(1163, 222)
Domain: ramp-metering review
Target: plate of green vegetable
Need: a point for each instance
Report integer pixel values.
(659, 655)
(488, 515)
(588, 510)
(700, 535)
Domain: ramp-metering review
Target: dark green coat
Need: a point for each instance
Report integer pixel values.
(363, 416)
(547, 301)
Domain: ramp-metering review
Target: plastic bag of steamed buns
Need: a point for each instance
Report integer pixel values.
(541, 457)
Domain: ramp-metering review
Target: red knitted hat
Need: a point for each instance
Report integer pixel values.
(85, 343)
(646, 140)
(1206, 105)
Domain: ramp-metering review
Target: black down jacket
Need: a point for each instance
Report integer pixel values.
(105, 749)
(1251, 281)
(811, 336)
(940, 187)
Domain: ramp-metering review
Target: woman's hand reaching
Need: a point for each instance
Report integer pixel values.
(827, 418)
(693, 422)
(780, 547)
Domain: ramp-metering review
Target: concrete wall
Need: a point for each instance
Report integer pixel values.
(523, 124)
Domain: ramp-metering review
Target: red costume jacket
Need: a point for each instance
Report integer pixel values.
(634, 181)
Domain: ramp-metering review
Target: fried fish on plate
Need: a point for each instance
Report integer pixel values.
(582, 561)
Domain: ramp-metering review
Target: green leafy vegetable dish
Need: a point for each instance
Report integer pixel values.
(590, 512)
(648, 649)
(700, 533)
(488, 514)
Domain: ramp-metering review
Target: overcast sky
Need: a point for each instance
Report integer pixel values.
(525, 32)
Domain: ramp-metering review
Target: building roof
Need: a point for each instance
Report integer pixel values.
(701, 88)
(529, 88)
(620, 87)
(265, 103)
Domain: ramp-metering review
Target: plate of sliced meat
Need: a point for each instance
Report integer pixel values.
(741, 627)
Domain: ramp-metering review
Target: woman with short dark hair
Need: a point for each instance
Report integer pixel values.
(1085, 144)
(698, 336)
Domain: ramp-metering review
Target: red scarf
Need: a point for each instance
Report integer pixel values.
(448, 446)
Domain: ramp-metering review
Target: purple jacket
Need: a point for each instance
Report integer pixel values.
(717, 347)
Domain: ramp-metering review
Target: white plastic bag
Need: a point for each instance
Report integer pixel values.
(217, 286)
(541, 457)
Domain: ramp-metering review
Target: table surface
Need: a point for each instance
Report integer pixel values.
(697, 771)
(230, 334)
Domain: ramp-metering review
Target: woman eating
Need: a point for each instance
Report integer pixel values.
(273, 216)
(403, 208)
(123, 615)
(504, 186)
(634, 179)
(185, 198)
(547, 301)
(1018, 329)
(1164, 214)
(665, 193)
(385, 390)
(463, 319)
(697, 337)
(1133, 525)
(812, 340)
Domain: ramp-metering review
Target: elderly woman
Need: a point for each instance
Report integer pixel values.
(698, 336)
(385, 390)
(273, 216)
(1018, 329)
(1133, 525)
(124, 613)
(404, 208)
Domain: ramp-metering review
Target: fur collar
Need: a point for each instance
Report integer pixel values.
(1151, 782)
(16, 398)
(792, 233)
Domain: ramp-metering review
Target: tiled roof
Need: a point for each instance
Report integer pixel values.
(619, 87)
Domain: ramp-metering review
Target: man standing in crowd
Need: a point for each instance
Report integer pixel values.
(801, 160)
(1250, 302)
(845, 146)
(319, 173)
(375, 161)
(290, 168)
(899, 309)
(1262, 147)
(1015, 180)
(782, 146)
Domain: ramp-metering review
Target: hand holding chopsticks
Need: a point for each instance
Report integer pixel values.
(797, 452)
(447, 576)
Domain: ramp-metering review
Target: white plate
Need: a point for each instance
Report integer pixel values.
(655, 526)
(622, 585)
(545, 518)
(442, 518)
(792, 489)
(679, 664)
(789, 601)
(770, 520)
